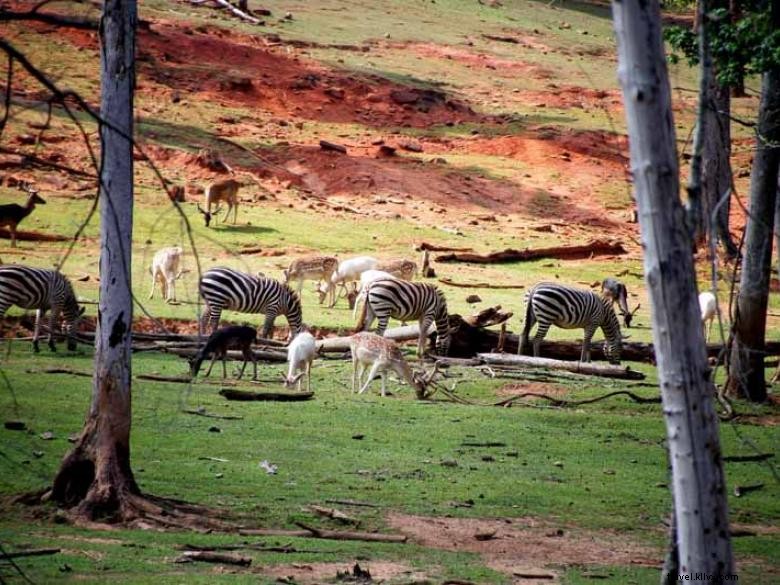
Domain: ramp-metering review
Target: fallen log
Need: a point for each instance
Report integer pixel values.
(578, 252)
(591, 369)
(450, 282)
(233, 355)
(325, 145)
(310, 532)
(423, 246)
(35, 552)
(244, 395)
(213, 557)
(341, 344)
(161, 378)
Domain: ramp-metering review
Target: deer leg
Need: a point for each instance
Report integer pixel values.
(13, 236)
(355, 373)
(211, 365)
(308, 377)
(371, 374)
(172, 289)
(224, 364)
(235, 212)
(154, 284)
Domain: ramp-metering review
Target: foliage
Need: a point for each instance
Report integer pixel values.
(748, 46)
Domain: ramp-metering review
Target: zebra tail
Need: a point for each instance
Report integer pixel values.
(523, 341)
(363, 310)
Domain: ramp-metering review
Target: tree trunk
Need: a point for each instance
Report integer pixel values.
(746, 371)
(95, 478)
(692, 425)
(709, 185)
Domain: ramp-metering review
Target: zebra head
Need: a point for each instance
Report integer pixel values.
(72, 313)
(611, 329)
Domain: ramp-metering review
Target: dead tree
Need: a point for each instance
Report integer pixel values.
(746, 371)
(709, 184)
(95, 479)
(698, 483)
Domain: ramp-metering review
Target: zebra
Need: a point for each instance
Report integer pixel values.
(40, 289)
(402, 300)
(571, 308)
(225, 288)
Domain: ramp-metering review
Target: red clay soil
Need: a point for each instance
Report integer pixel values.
(525, 545)
(211, 63)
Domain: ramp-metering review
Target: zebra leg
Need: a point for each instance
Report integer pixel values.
(270, 317)
(36, 331)
(589, 331)
(541, 331)
(53, 320)
(381, 325)
(530, 321)
(425, 324)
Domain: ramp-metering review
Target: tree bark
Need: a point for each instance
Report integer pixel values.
(692, 425)
(746, 371)
(95, 479)
(709, 185)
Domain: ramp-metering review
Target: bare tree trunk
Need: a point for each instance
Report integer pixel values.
(709, 185)
(95, 478)
(746, 371)
(698, 484)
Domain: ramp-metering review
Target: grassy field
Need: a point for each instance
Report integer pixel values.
(534, 157)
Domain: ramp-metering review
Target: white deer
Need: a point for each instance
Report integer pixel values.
(348, 271)
(383, 355)
(300, 355)
(217, 192)
(708, 305)
(165, 270)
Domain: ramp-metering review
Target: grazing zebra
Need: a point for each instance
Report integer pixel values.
(389, 297)
(571, 308)
(224, 288)
(40, 289)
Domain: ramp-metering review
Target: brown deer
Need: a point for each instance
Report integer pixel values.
(311, 268)
(403, 269)
(383, 355)
(225, 190)
(12, 213)
(239, 337)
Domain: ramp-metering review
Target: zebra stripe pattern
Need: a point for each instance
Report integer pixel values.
(225, 288)
(40, 289)
(406, 301)
(571, 308)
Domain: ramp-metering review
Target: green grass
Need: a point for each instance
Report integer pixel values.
(600, 467)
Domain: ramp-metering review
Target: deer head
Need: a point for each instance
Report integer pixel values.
(207, 216)
(628, 317)
(423, 380)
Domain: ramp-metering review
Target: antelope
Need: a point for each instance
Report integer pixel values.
(403, 269)
(225, 190)
(348, 271)
(12, 213)
(311, 268)
(165, 269)
(236, 336)
(708, 305)
(383, 355)
(300, 354)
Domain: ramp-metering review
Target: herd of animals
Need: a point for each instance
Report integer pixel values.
(384, 290)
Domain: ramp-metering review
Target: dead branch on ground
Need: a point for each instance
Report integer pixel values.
(578, 252)
(243, 395)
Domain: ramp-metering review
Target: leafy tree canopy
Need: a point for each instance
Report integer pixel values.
(747, 46)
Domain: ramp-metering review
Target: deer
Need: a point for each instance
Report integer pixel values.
(708, 305)
(300, 355)
(401, 268)
(225, 190)
(383, 355)
(12, 214)
(239, 337)
(348, 271)
(165, 269)
(311, 268)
